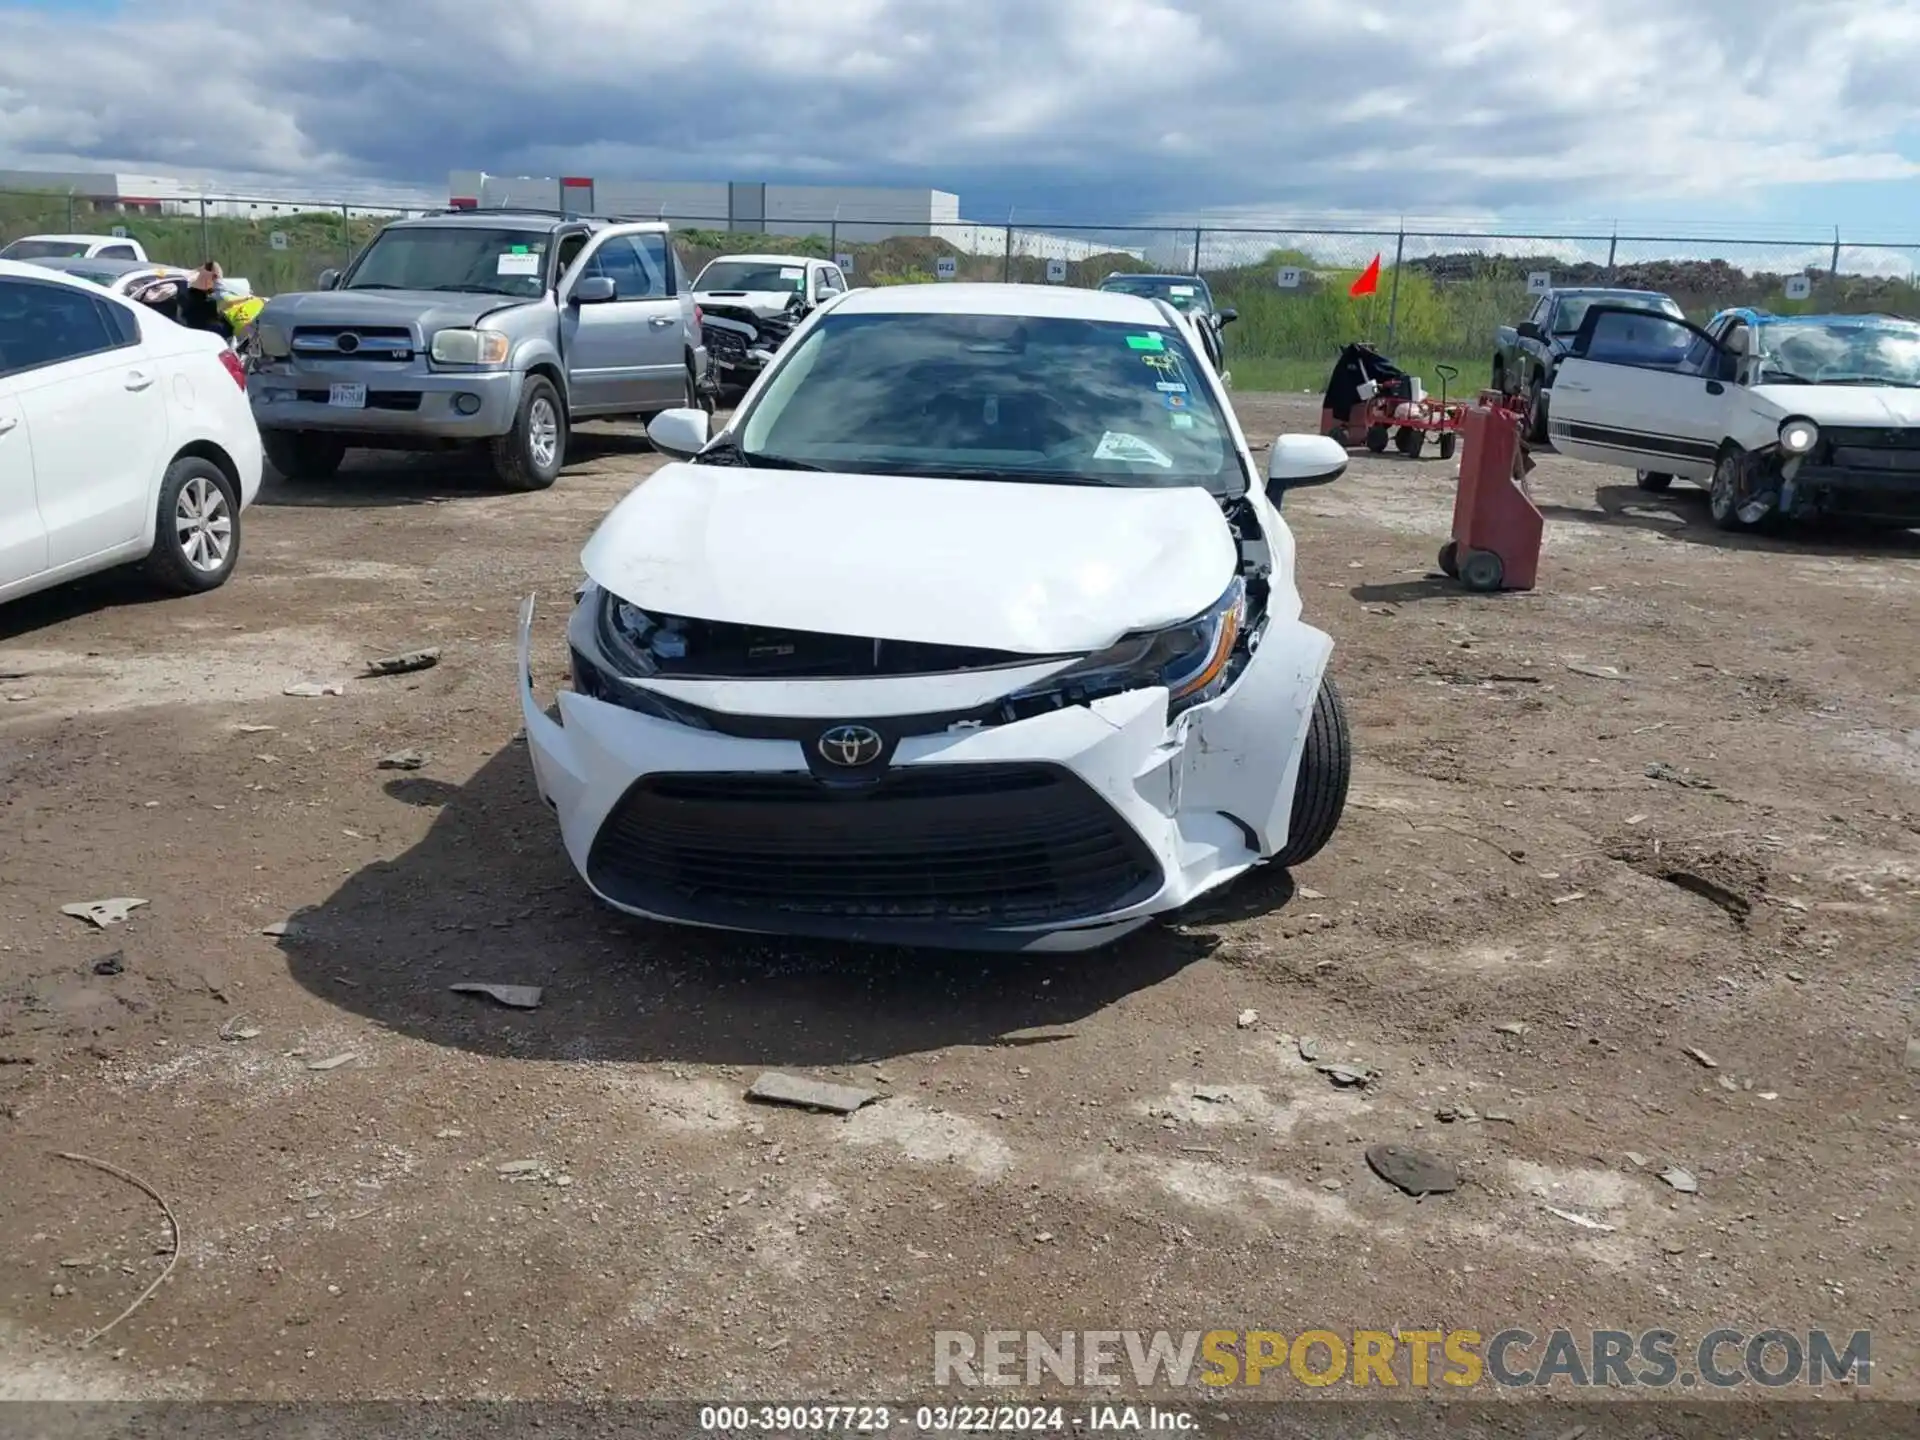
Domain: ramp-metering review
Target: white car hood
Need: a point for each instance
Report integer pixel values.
(1028, 568)
(761, 302)
(1866, 405)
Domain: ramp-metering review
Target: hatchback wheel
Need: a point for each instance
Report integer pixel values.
(1326, 768)
(196, 536)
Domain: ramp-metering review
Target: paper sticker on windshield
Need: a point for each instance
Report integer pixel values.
(1146, 342)
(1183, 421)
(1175, 402)
(1130, 448)
(514, 264)
(1180, 290)
(1170, 387)
(792, 272)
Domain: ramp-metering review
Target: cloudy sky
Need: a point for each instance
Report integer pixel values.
(1790, 114)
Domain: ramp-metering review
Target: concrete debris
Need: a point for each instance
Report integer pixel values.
(1681, 1180)
(402, 760)
(1248, 1019)
(103, 912)
(1513, 1027)
(1700, 1057)
(516, 997)
(1598, 672)
(1416, 1172)
(332, 1062)
(313, 689)
(1346, 1074)
(774, 1088)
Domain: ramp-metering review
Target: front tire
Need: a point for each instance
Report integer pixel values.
(196, 536)
(1728, 500)
(1326, 769)
(1537, 410)
(529, 456)
(303, 454)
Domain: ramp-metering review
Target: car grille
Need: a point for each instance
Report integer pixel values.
(376, 399)
(1858, 448)
(972, 844)
(353, 342)
(729, 347)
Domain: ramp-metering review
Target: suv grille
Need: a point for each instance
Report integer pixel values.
(353, 342)
(973, 844)
(1860, 448)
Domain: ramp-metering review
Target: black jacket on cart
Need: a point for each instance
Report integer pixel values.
(1359, 363)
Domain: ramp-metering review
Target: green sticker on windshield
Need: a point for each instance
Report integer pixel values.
(519, 249)
(1146, 342)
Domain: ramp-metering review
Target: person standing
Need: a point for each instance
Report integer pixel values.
(200, 305)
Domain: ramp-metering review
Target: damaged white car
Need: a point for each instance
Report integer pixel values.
(1779, 416)
(975, 627)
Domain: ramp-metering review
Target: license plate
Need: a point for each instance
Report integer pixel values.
(350, 397)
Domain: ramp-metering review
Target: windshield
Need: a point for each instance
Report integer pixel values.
(1841, 350)
(1008, 397)
(1568, 314)
(43, 250)
(752, 275)
(1183, 292)
(454, 257)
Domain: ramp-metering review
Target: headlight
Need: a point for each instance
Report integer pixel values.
(1190, 658)
(273, 341)
(1797, 437)
(470, 347)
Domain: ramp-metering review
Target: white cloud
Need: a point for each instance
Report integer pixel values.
(1095, 109)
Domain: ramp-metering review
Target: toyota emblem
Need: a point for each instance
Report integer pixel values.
(851, 745)
(347, 343)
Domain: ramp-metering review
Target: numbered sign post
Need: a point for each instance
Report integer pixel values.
(946, 267)
(278, 239)
(1056, 272)
(1539, 282)
(1288, 278)
(845, 262)
(119, 232)
(1799, 287)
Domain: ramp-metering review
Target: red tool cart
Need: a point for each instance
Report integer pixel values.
(1370, 397)
(1497, 529)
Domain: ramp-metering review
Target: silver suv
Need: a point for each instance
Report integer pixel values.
(500, 327)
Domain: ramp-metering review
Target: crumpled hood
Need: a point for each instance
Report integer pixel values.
(1866, 405)
(427, 310)
(760, 302)
(1002, 565)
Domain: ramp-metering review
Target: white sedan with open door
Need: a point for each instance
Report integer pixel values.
(1780, 416)
(975, 627)
(123, 437)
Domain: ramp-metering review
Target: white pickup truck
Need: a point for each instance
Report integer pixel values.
(73, 247)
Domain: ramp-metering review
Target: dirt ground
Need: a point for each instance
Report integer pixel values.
(1713, 852)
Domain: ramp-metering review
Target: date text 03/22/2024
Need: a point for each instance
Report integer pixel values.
(935, 1419)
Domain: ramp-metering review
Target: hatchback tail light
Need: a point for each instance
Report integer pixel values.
(234, 368)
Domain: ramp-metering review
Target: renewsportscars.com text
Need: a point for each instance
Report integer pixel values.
(1417, 1359)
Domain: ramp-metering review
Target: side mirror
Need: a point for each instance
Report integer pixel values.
(1297, 461)
(679, 434)
(329, 279)
(595, 290)
(1527, 330)
(1229, 315)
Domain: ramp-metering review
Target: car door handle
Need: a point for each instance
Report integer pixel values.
(1572, 387)
(660, 322)
(138, 380)
(1714, 387)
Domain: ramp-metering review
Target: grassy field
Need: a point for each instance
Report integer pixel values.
(1446, 306)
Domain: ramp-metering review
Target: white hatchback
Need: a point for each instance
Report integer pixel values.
(123, 437)
(976, 627)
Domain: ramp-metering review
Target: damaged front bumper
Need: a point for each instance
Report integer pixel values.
(1063, 831)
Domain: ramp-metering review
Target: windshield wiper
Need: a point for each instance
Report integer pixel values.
(1869, 380)
(373, 285)
(730, 453)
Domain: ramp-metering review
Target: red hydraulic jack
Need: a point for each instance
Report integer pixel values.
(1496, 528)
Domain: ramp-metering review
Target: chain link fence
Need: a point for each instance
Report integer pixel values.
(1439, 299)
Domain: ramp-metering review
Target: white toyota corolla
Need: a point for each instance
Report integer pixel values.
(975, 627)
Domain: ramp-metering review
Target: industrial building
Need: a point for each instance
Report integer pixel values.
(855, 214)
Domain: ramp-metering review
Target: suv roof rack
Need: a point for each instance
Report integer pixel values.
(541, 210)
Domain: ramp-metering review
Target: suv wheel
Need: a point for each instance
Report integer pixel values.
(529, 456)
(303, 454)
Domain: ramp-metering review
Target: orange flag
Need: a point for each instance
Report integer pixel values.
(1369, 280)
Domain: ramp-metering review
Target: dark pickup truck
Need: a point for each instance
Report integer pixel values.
(1526, 355)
